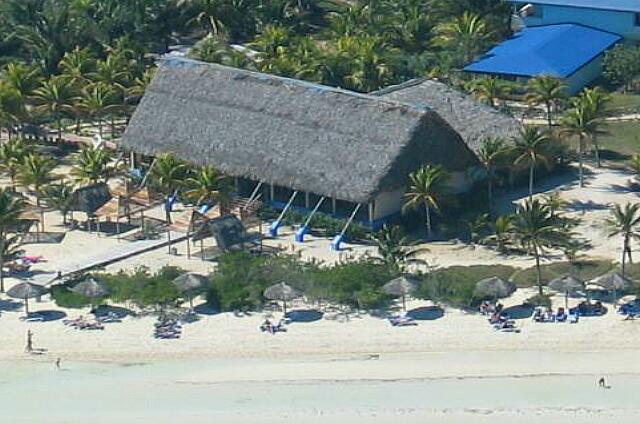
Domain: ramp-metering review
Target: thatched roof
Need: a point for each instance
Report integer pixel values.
(90, 198)
(118, 207)
(473, 120)
(289, 133)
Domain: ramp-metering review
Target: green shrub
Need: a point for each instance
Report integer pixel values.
(456, 285)
(537, 300)
(65, 298)
(585, 270)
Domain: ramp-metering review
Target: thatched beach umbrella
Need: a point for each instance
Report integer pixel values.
(283, 292)
(495, 288)
(566, 284)
(26, 291)
(91, 288)
(613, 281)
(401, 287)
(191, 283)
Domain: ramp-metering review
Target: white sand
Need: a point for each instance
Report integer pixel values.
(457, 345)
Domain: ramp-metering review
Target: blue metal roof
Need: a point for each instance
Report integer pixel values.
(558, 50)
(618, 5)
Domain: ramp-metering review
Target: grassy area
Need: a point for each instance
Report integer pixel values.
(621, 141)
(621, 103)
(585, 270)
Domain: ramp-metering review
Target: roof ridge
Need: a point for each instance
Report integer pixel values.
(171, 61)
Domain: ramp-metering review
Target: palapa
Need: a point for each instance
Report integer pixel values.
(91, 288)
(495, 288)
(613, 281)
(283, 292)
(290, 133)
(400, 287)
(190, 283)
(566, 284)
(26, 291)
(473, 120)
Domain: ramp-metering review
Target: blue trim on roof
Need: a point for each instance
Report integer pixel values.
(615, 5)
(559, 50)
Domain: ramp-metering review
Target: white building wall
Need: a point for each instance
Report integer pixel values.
(623, 23)
(390, 202)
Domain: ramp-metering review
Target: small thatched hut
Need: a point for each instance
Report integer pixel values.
(473, 120)
(89, 199)
(292, 135)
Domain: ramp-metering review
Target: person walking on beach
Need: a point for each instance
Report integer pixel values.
(29, 347)
(602, 383)
(58, 360)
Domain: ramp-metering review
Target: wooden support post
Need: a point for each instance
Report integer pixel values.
(333, 205)
(371, 209)
(118, 229)
(202, 248)
(169, 240)
(272, 192)
(188, 246)
(306, 199)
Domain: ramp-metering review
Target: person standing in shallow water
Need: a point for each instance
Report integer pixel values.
(58, 361)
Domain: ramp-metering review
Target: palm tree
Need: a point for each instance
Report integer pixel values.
(12, 154)
(12, 107)
(427, 187)
(487, 89)
(555, 203)
(536, 231)
(545, 90)
(624, 222)
(92, 164)
(635, 165)
(394, 248)
(491, 152)
(208, 186)
(579, 123)
(11, 207)
(59, 196)
(77, 64)
(596, 100)
(168, 175)
(22, 78)
(467, 33)
(531, 148)
(55, 97)
(95, 102)
(503, 229)
(36, 171)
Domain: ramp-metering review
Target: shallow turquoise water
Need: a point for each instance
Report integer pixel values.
(36, 392)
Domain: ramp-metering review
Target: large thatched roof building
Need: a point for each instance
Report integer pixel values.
(293, 135)
(473, 120)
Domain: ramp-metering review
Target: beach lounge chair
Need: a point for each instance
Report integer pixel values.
(32, 318)
(573, 317)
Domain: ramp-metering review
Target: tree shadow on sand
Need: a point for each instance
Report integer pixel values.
(426, 313)
(10, 305)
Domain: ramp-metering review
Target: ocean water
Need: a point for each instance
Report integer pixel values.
(172, 392)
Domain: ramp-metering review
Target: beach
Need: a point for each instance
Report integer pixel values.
(452, 367)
